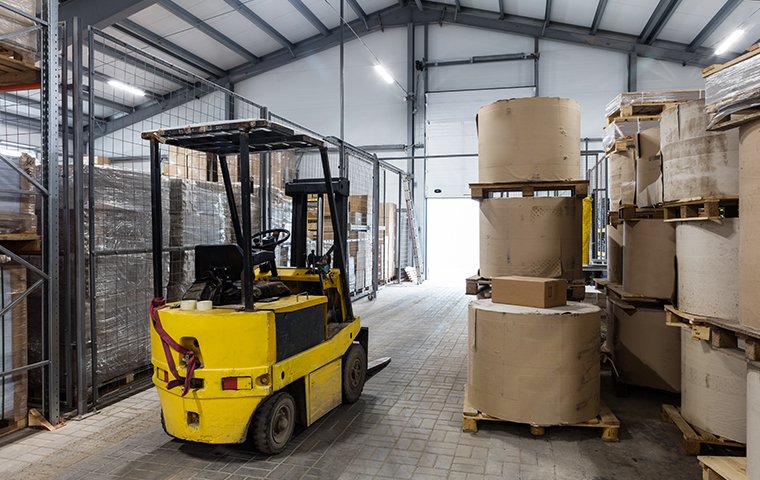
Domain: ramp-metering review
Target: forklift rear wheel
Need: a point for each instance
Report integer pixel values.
(273, 423)
(354, 373)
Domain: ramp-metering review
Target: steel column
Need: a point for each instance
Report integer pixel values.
(91, 221)
(375, 225)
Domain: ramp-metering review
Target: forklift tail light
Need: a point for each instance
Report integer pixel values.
(237, 383)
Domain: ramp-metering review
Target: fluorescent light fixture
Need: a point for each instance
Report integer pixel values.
(729, 41)
(383, 73)
(127, 88)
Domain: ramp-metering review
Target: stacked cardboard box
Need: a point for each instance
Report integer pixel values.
(185, 163)
(387, 241)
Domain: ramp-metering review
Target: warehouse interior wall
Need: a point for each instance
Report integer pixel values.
(454, 255)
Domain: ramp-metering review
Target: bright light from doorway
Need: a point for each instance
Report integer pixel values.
(384, 73)
(126, 88)
(729, 41)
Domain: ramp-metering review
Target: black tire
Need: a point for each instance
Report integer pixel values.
(273, 423)
(354, 373)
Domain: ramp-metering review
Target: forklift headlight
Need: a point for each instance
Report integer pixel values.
(237, 383)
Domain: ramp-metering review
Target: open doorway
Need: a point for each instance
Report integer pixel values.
(452, 239)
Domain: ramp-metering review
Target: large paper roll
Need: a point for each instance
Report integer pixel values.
(708, 268)
(525, 139)
(532, 236)
(753, 421)
(534, 365)
(749, 230)
(697, 163)
(714, 388)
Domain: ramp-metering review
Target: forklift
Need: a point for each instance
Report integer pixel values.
(254, 348)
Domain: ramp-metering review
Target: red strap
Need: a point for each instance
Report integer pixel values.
(168, 342)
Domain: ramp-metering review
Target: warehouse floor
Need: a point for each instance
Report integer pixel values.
(406, 425)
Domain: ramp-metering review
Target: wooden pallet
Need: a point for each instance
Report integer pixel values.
(634, 118)
(21, 242)
(719, 332)
(717, 67)
(735, 119)
(627, 300)
(723, 468)
(640, 109)
(702, 209)
(577, 188)
(621, 145)
(632, 213)
(694, 437)
(17, 73)
(475, 285)
(606, 421)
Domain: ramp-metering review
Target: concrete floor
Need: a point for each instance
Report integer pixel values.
(406, 425)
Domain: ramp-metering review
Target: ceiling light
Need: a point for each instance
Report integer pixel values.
(729, 41)
(127, 88)
(383, 73)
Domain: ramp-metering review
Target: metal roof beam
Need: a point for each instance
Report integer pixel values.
(662, 13)
(713, 24)
(309, 15)
(600, 7)
(259, 22)
(547, 16)
(434, 13)
(359, 11)
(208, 30)
(160, 43)
(101, 14)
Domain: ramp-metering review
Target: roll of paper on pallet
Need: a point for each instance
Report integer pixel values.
(188, 304)
(534, 365)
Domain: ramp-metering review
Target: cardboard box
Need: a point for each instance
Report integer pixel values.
(529, 291)
(622, 179)
(649, 262)
(538, 366)
(527, 139)
(649, 168)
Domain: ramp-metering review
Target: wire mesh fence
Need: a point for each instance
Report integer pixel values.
(126, 92)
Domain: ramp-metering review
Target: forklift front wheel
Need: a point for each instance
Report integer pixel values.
(354, 373)
(273, 423)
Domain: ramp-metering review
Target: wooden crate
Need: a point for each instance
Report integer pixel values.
(606, 421)
(723, 468)
(693, 437)
(577, 188)
(701, 209)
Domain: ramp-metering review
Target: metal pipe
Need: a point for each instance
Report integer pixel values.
(79, 269)
(506, 57)
(375, 225)
(91, 223)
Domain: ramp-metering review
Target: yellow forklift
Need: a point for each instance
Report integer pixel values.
(254, 348)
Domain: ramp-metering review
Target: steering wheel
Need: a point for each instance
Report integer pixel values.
(267, 239)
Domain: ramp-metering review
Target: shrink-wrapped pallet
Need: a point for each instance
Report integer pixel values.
(708, 268)
(527, 139)
(713, 388)
(531, 236)
(534, 365)
(13, 388)
(697, 163)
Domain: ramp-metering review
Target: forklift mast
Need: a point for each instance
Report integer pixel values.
(300, 190)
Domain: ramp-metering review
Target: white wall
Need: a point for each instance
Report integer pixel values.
(657, 75)
(307, 91)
